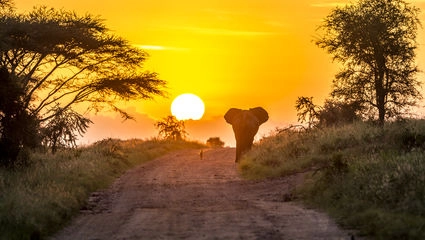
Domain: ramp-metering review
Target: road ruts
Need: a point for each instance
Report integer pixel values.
(181, 196)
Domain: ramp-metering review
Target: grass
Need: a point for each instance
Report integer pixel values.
(367, 177)
(37, 201)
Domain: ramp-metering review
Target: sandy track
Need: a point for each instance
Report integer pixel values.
(180, 196)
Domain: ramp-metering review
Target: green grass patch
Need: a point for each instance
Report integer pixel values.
(367, 177)
(38, 200)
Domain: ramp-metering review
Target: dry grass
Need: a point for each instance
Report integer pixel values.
(370, 178)
(38, 200)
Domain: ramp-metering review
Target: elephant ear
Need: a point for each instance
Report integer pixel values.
(260, 113)
(232, 114)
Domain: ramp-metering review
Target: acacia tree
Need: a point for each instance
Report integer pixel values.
(171, 129)
(55, 60)
(375, 40)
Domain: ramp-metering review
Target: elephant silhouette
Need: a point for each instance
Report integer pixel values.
(245, 124)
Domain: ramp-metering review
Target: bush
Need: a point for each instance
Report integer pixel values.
(215, 142)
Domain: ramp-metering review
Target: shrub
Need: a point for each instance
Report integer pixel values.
(215, 142)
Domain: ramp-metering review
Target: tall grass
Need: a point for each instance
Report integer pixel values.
(368, 177)
(37, 201)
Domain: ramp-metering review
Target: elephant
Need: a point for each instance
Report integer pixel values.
(245, 124)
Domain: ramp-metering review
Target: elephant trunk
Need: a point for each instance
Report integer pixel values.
(243, 146)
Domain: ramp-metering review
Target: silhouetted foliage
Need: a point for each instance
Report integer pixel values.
(18, 128)
(56, 60)
(215, 142)
(171, 129)
(375, 40)
(331, 114)
(307, 111)
(336, 113)
(63, 129)
(6, 5)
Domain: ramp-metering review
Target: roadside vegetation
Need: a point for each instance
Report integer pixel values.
(367, 177)
(364, 164)
(38, 200)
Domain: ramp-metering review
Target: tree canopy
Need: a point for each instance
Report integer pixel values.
(171, 129)
(332, 113)
(54, 60)
(215, 142)
(61, 58)
(375, 40)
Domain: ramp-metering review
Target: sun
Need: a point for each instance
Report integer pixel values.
(188, 106)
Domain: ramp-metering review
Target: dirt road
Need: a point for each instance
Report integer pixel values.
(180, 196)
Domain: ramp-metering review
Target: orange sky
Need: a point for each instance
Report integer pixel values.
(239, 53)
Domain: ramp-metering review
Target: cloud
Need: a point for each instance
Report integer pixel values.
(159, 48)
(339, 4)
(151, 47)
(277, 24)
(225, 32)
(220, 13)
(328, 4)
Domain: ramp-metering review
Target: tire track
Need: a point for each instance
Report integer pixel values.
(180, 196)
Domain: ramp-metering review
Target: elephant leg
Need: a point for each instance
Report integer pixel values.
(238, 152)
(242, 147)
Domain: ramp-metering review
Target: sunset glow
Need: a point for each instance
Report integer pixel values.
(188, 106)
(238, 53)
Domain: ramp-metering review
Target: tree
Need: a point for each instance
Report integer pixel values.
(331, 114)
(215, 142)
(375, 42)
(307, 111)
(336, 113)
(63, 129)
(56, 60)
(171, 129)
(17, 127)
